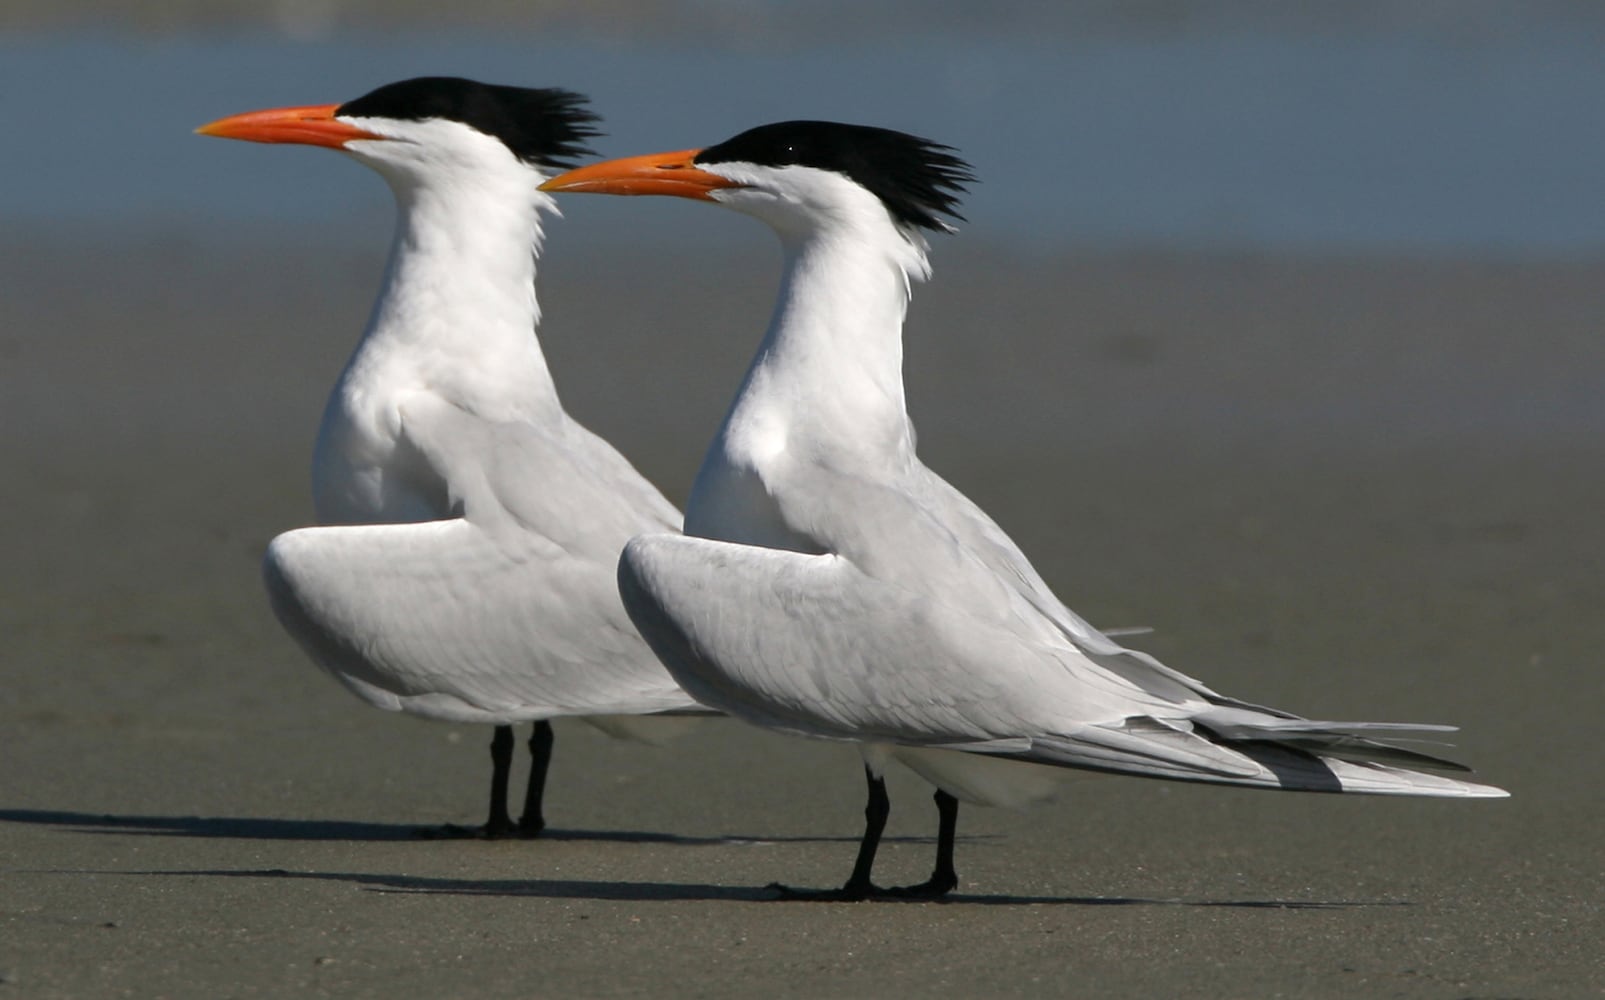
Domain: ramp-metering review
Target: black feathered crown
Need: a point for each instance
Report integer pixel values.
(916, 179)
(544, 126)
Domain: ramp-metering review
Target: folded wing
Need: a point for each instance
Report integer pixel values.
(810, 644)
(451, 621)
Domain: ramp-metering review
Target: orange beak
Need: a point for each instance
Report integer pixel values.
(312, 125)
(658, 173)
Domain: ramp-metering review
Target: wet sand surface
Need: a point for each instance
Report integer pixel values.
(1352, 489)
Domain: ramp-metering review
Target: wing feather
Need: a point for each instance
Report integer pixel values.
(504, 613)
(448, 620)
(561, 482)
(811, 644)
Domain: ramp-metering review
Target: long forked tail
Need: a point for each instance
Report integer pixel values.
(1296, 769)
(1238, 747)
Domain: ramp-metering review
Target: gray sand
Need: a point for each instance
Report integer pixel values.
(1349, 489)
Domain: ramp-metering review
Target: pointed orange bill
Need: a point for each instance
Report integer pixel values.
(657, 173)
(311, 125)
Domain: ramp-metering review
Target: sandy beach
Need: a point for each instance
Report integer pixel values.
(1348, 488)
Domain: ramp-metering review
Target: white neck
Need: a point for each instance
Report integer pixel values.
(455, 320)
(829, 373)
(458, 307)
(826, 387)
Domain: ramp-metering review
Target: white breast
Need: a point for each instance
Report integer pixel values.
(362, 470)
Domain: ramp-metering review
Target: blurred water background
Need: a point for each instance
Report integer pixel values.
(1251, 225)
(1434, 128)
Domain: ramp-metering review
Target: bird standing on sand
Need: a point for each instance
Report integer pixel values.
(466, 567)
(829, 585)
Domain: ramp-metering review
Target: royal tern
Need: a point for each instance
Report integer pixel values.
(829, 585)
(465, 566)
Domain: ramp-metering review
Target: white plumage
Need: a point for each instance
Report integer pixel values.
(830, 585)
(464, 569)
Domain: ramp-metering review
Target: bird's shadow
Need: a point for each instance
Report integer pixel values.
(664, 892)
(264, 828)
(252, 828)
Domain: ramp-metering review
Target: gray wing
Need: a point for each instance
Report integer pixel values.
(921, 532)
(507, 612)
(814, 645)
(447, 620)
(560, 481)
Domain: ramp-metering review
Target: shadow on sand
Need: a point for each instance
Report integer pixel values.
(340, 830)
(580, 889)
(257, 828)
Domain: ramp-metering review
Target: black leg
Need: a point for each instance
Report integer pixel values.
(876, 809)
(944, 879)
(945, 875)
(499, 823)
(858, 885)
(540, 759)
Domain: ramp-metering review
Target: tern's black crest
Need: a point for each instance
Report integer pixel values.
(915, 178)
(545, 126)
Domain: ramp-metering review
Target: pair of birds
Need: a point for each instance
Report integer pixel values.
(484, 558)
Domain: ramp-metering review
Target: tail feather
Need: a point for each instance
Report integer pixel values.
(1303, 758)
(1350, 741)
(1300, 770)
(1363, 751)
(1238, 723)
